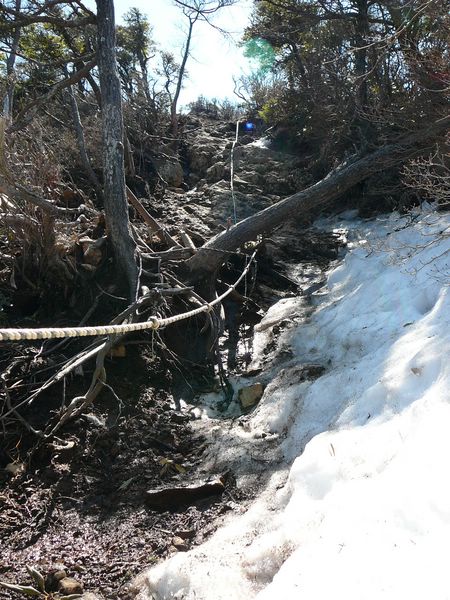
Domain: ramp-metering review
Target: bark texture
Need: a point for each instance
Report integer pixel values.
(116, 206)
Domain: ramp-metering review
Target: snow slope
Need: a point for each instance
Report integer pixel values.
(359, 507)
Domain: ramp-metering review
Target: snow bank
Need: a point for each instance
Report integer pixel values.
(361, 509)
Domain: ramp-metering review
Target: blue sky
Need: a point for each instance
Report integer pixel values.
(214, 61)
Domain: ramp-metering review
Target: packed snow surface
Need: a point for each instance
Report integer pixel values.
(359, 506)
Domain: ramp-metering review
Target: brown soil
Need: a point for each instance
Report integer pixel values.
(79, 505)
(84, 507)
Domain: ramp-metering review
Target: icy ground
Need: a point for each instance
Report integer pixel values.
(359, 506)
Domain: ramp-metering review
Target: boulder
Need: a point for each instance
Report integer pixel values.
(69, 585)
(216, 172)
(171, 171)
(250, 395)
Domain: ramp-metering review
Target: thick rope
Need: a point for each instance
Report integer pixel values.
(12, 335)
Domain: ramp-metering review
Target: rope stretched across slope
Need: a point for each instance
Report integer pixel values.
(154, 322)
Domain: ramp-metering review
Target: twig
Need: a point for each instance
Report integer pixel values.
(15, 412)
(152, 223)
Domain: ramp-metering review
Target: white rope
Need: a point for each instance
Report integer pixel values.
(12, 335)
(232, 172)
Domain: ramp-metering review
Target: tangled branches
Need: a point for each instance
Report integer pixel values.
(431, 175)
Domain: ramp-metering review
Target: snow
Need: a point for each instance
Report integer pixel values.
(358, 506)
(263, 142)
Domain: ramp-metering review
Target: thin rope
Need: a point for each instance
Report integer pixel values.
(247, 292)
(233, 196)
(153, 322)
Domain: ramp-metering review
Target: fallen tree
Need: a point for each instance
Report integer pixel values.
(313, 200)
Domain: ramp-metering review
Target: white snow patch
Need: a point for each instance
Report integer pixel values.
(365, 511)
(263, 142)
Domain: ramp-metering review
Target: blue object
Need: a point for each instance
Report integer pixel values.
(249, 126)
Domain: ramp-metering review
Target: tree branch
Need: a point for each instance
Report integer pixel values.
(28, 113)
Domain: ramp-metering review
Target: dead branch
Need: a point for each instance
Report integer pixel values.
(155, 227)
(19, 193)
(172, 254)
(22, 19)
(28, 113)
(80, 403)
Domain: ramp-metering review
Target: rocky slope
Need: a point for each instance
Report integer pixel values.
(262, 176)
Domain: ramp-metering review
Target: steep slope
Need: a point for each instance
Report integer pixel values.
(262, 176)
(356, 505)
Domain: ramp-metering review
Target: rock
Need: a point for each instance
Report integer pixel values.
(53, 578)
(180, 544)
(69, 585)
(171, 172)
(201, 154)
(216, 172)
(173, 497)
(92, 250)
(15, 468)
(91, 596)
(250, 395)
(179, 418)
(185, 534)
(313, 371)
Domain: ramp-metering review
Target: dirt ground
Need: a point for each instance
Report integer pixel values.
(79, 503)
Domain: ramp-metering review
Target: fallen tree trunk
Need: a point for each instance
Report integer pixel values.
(311, 200)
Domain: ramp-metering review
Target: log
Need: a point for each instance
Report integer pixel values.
(312, 200)
(175, 497)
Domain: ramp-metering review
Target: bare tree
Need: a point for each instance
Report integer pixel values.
(194, 11)
(116, 207)
(79, 132)
(430, 176)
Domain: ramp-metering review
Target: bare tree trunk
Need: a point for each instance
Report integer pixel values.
(173, 106)
(144, 78)
(312, 200)
(194, 10)
(95, 89)
(79, 132)
(128, 156)
(116, 206)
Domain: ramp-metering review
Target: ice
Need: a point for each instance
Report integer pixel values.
(358, 505)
